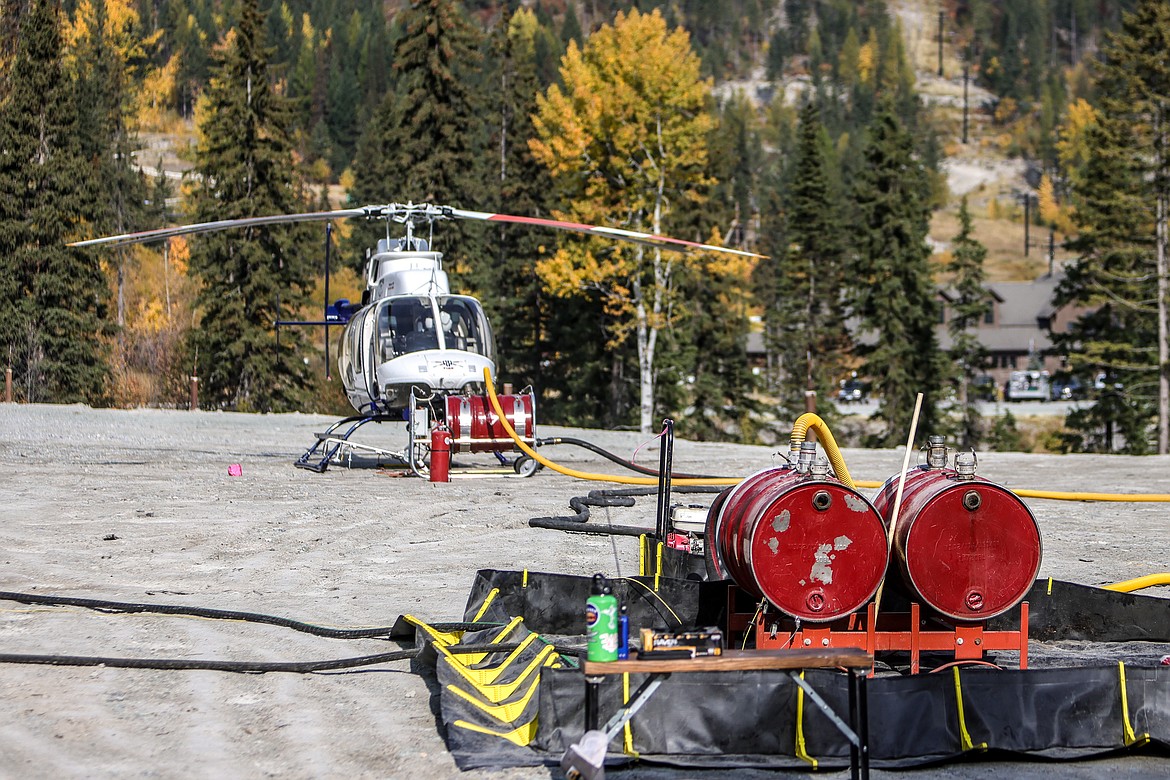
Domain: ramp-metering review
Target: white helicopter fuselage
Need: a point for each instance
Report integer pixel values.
(413, 337)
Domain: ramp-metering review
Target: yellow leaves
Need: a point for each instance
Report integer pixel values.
(1006, 110)
(624, 137)
(120, 32)
(148, 89)
(522, 29)
(152, 101)
(151, 317)
(1050, 210)
(179, 255)
(308, 33)
(867, 58)
(1073, 145)
(1046, 196)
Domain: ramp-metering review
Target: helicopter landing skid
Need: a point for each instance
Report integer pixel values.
(333, 445)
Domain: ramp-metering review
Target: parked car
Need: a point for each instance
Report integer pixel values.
(1067, 388)
(1027, 386)
(852, 392)
(983, 388)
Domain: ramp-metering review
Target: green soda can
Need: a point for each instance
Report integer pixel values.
(601, 622)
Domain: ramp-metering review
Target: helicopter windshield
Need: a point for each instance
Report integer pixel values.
(464, 325)
(406, 325)
(415, 323)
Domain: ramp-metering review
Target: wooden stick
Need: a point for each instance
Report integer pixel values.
(877, 599)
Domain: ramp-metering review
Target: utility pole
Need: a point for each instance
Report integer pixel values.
(1163, 286)
(1027, 221)
(966, 76)
(941, 14)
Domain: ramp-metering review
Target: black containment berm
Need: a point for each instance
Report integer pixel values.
(795, 535)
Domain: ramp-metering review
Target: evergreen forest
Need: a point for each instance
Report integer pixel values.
(849, 143)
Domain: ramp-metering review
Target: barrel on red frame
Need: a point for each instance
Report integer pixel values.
(475, 427)
(813, 547)
(966, 547)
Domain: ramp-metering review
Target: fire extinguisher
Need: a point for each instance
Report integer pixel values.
(440, 454)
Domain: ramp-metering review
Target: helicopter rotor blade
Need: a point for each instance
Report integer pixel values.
(147, 236)
(411, 212)
(598, 230)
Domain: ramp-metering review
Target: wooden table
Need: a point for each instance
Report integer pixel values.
(856, 662)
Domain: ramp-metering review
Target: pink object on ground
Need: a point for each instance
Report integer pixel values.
(235, 470)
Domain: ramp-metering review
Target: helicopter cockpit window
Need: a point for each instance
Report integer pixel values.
(465, 326)
(406, 325)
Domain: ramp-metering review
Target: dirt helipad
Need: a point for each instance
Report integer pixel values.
(138, 506)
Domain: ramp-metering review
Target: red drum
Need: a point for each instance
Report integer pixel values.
(475, 427)
(968, 548)
(813, 547)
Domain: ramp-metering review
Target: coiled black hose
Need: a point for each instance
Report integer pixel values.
(578, 523)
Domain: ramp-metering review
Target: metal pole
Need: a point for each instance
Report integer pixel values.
(940, 43)
(1051, 250)
(665, 463)
(328, 244)
(810, 393)
(966, 76)
(1027, 220)
(592, 703)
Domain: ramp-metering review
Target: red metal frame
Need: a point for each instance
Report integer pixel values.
(887, 632)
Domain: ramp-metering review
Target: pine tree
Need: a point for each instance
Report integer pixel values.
(779, 134)
(970, 305)
(1120, 275)
(705, 380)
(514, 299)
(426, 143)
(811, 337)
(894, 294)
(101, 49)
(53, 299)
(255, 276)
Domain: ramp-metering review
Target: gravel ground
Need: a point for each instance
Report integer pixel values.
(138, 506)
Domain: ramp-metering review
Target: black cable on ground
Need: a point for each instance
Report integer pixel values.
(220, 614)
(629, 464)
(241, 667)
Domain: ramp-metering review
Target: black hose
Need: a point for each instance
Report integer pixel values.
(220, 614)
(605, 498)
(241, 667)
(629, 464)
(574, 527)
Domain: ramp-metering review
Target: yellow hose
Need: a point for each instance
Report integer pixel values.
(800, 430)
(1057, 495)
(1148, 581)
(568, 472)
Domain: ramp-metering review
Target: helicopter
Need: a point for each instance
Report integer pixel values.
(411, 341)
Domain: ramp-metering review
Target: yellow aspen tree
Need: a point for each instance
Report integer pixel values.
(625, 142)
